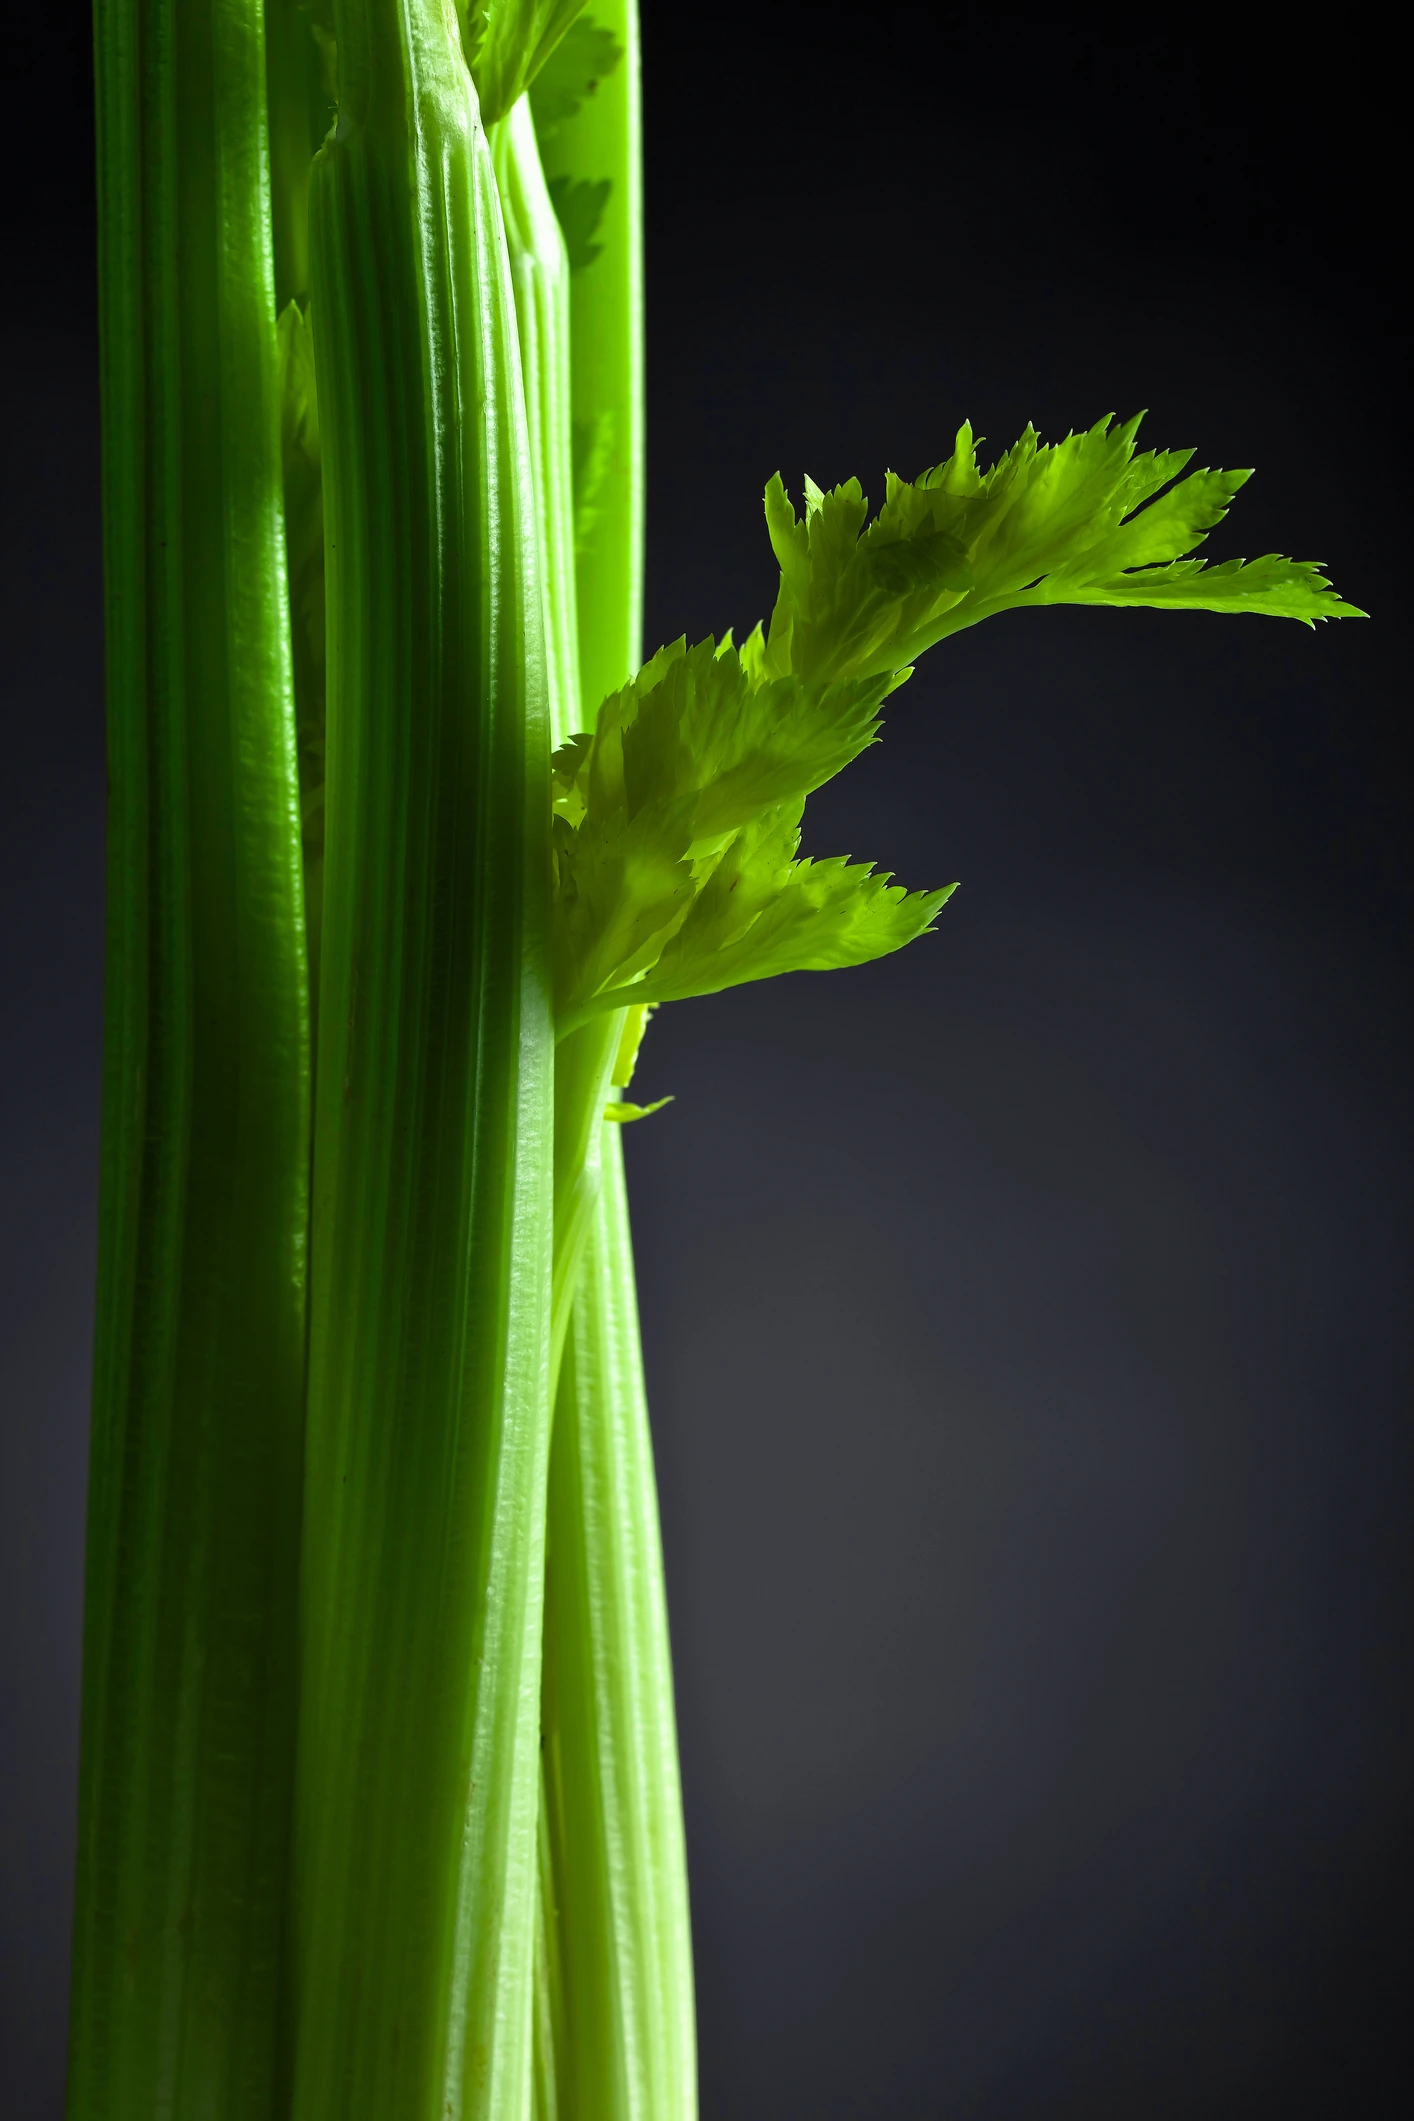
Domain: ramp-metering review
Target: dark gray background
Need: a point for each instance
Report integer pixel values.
(1027, 1317)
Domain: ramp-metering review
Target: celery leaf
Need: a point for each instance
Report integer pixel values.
(507, 42)
(678, 818)
(762, 912)
(1086, 521)
(657, 811)
(622, 1111)
(692, 730)
(631, 1038)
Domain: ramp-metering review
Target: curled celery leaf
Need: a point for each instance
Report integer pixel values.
(630, 1039)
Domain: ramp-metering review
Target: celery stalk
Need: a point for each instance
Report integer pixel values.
(548, 2026)
(615, 1801)
(380, 1809)
(301, 92)
(617, 1824)
(194, 1484)
(603, 139)
(428, 1405)
(540, 275)
(616, 1968)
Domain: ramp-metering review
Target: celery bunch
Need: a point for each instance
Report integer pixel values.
(380, 1813)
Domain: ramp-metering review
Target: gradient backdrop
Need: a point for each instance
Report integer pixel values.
(1027, 1318)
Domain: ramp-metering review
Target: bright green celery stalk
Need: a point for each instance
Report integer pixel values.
(428, 1411)
(540, 275)
(598, 143)
(615, 2032)
(194, 1483)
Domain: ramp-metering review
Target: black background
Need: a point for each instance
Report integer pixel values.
(1027, 1317)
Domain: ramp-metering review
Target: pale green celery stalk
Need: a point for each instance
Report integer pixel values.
(611, 1764)
(548, 2030)
(584, 1063)
(194, 1480)
(540, 275)
(615, 2032)
(428, 1412)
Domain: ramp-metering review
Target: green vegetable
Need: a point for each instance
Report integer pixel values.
(380, 1806)
(507, 42)
(678, 819)
(194, 1484)
(589, 120)
(613, 1797)
(428, 1402)
(1084, 522)
(614, 2016)
(540, 276)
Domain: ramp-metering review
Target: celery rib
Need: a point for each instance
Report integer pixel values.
(614, 2026)
(428, 1412)
(613, 1789)
(603, 140)
(188, 1701)
(540, 275)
